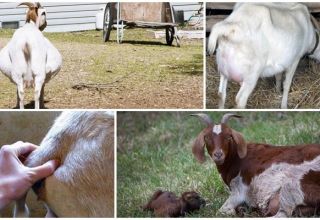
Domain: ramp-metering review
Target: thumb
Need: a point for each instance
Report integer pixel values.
(44, 170)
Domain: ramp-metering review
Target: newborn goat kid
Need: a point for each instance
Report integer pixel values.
(166, 204)
(277, 180)
(262, 40)
(29, 59)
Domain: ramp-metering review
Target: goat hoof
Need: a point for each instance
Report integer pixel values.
(227, 211)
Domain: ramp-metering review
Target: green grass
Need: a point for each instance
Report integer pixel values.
(154, 152)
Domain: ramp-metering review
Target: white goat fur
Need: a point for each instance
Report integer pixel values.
(282, 178)
(261, 40)
(29, 59)
(83, 185)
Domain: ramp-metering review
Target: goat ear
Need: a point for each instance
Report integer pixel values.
(241, 143)
(198, 147)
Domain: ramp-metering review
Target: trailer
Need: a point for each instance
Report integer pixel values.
(155, 15)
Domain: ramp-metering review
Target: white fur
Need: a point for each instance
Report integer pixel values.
(217, 129)
(83, 184)
(282, 178)
(238, 195)
(45, 60)
(261, 40)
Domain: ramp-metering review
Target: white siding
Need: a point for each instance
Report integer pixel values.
(73, 16)
(61, 17)
(189, 8)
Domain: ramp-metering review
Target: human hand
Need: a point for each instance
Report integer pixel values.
(15, 178)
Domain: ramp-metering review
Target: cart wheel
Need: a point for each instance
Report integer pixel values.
(107, 22)
(169, 35)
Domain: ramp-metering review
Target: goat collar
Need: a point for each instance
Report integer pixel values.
(317, 43)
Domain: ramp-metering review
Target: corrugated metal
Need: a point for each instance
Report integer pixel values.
(313, 6)
(61, 17)
(73, 16)
(189, 8)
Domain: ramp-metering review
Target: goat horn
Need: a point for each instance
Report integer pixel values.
(29, 4)
(204, 118)
(227, 116)
(37, 5)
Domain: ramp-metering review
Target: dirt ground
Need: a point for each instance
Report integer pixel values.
(143, 72)
(304, 92)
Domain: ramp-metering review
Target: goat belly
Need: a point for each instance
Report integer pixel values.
(233, 63)
(283, 180)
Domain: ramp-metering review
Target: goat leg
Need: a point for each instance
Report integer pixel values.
(287, 83)
(21, 209)
(222, 90)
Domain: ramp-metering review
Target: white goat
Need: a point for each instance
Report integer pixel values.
(262, 40)
(29, 59)
(83, 185)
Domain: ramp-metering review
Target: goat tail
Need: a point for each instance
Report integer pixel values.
(220, 29)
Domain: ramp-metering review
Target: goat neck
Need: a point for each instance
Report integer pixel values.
(231, 166)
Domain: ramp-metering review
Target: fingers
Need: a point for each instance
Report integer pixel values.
(20, 148)
(44, 170)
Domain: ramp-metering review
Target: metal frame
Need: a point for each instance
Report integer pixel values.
(171, 28)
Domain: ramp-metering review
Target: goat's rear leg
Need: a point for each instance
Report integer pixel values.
(20, 95)
(42, 97)
(50, 213)
(287, 83)
(245, 91)
(38, 89)
(290, 197)
(310, 185)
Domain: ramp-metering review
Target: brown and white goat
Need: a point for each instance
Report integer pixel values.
(278, 180)
(30, 59)
(83, 185)
(167, 204)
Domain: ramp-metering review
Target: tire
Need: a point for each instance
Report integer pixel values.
(169, 35)
(107, 22)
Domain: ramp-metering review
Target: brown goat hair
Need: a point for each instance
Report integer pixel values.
(167, 204)
(278, 180)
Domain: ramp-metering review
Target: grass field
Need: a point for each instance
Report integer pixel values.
(143, 72)
(154, 152)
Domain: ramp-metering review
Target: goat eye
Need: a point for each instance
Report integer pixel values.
(43, 14)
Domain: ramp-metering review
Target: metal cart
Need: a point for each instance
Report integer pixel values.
(156, 15)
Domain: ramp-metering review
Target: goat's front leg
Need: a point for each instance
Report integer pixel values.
(222, 90)
(229, 207)
(21, 209)
(287, 84)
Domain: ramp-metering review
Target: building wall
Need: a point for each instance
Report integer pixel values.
(72, 16)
